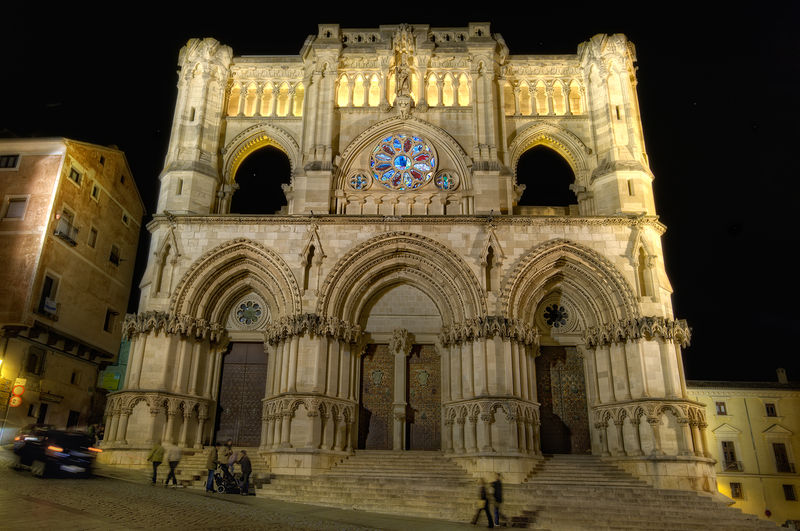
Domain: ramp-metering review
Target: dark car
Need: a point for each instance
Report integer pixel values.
(48, 451)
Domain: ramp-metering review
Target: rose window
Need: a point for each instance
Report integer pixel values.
(248, 312)
(555, 315)
(402, 162)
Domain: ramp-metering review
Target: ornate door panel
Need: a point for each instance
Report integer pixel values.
(561, 387)
(244, 379)
(377, 395)
(424, 399)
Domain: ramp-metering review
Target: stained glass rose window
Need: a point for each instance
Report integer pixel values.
(402, 162)
(248, 312)
(556, 315)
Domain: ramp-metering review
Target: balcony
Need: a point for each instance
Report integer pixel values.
(67, 231)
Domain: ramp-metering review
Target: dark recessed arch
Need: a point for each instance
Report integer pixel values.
(259, 178)
(547, 177)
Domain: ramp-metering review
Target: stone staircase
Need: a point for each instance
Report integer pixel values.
(192, 471)
(564, 492)
(407, 483)
(583, 492)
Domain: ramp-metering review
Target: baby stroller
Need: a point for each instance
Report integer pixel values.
(224, 481)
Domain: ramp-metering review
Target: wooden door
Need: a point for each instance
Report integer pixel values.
(242, 385)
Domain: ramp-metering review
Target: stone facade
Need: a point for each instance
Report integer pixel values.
(69, 226)
(402, 236)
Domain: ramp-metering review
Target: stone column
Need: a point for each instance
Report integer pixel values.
(277, 430)
(400, 345)
(292, 374)
(696, 440)
(567, 89)
(485, 432)
(548, 91)
(513, 442)
(315, 433)
(601, 430)
(153, 437)
(618, 424)
(685, 438)
(531, 444)
(655, 424)
(637, 437)
(447, 433)
(327, 431)
(113, 425)
(703, 441)
(265, 432)
(182, 439)
(286, 426)
(195, 372)
(122, 429)
(341, 432)
(201, 425)
(183, 362)
(171, 414)
(459, 436)
(667, 367)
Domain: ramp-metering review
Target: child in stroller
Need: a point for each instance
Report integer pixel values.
(224, 480)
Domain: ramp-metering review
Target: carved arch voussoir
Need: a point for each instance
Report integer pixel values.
(563, 141)
(253, 138)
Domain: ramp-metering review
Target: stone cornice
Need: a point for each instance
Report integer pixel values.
(168, 323)
(638, 328)
(312, 324)
(489, 327)
(329, 219)
(723, 392)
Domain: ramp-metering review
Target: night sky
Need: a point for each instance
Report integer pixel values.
(718, 100)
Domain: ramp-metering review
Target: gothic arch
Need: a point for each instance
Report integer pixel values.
(590, 281)
(450, 152)
(395, 258)
(223, 274)
(254, 138)
(558, 139)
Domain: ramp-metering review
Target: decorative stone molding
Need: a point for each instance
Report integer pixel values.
(684, 410)
(168, 323)
(401, 341)
(489, 327)
(638, 328)
(312, 324)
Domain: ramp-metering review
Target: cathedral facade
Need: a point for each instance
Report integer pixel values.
(405, 298)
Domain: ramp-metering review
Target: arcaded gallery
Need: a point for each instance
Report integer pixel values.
(428, 283)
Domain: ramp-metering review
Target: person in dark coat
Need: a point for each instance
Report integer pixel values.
(247, 469)
(497, 494)
(483, 505)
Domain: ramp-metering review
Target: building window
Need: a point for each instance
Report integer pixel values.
(771, 410)
(125, 219)
(102, 160)
(721, 409)
(47, 301)
(15, 207)
(111, 317)
(736, 491)
(789, 493)
(65, 228)
(122, 178)
(114, 256)
(34, 364)
(74, 378)
(96, 192)
(729, 461)
(75, 176)
(9, 162)
(72, 419)
(92, 241)
(782, 458)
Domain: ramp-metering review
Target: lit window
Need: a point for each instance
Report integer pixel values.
(721, 409)
(403, 162)
(736, 491)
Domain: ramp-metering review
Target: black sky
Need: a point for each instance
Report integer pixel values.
(717, 94)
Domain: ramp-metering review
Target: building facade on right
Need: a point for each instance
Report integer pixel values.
(754, 435)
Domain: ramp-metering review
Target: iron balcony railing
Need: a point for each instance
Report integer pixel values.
(67, 231)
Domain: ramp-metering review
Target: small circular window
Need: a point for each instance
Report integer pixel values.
(556, 316)
(248, 313)
(403, 162)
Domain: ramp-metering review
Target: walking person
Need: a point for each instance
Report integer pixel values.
(173, 458)
(247, 469)
(156, 456)
(483, 504)
(497, 494)
(211, 465)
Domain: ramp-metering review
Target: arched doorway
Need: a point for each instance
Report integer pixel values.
(241, 390)
(546, 176)
(394, 381)
(259, 178)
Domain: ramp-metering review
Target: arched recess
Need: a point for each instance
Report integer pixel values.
(355, 157)
(252, 139)
(224, 274)
(562, 141)
(593, 285)
(547, 177)
(400, 257)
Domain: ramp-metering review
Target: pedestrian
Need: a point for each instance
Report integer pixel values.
(482, 504)
(497, 494)
(156, 456)
(211, 465)
(247, 469)
(225, 456)
(233, 459)
(173, 458)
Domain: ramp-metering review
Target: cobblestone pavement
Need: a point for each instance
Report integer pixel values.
(116, 503)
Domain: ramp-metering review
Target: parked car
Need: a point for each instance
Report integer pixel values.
(49, 451)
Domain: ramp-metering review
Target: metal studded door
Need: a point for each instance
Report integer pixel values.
(561, 389)
(243, 381)
(377, 395)
(424, 399)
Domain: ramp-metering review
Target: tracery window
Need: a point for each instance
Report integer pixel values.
(403, 162)
(374, 91)
(233, 101)
(432, 93)
(463, 91)
(359, 93)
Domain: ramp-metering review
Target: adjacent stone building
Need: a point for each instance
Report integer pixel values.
(754, 436)
(69, 225)
(413, 292)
